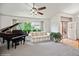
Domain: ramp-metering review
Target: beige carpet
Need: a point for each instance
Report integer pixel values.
(40, 49)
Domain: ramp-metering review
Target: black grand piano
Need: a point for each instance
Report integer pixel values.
(15, 36)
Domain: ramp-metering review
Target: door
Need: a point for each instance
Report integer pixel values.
(65, 29)
(64, 26)
(72, 30)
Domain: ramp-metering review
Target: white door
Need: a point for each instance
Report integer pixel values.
(72, 30)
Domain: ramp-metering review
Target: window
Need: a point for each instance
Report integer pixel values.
(37, 24)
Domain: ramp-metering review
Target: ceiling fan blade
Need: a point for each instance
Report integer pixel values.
(40, 13)
(42, 8)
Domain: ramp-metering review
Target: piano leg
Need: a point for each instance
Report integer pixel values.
(3, 40)
(15, 44)
(8, 44)
(12, 44)
(23, 40)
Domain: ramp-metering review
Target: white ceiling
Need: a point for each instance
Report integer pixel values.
(23, 9)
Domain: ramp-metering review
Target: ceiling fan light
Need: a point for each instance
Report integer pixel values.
(35, 13)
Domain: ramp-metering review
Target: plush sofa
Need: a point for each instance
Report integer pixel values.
(39, 36)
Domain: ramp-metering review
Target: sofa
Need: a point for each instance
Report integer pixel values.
(39, 36)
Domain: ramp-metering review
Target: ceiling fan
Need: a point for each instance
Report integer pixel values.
(36, 10)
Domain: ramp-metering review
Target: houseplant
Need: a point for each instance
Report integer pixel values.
(26, 27)
(34, 29)
(55, 36)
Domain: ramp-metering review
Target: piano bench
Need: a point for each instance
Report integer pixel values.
(16, 40)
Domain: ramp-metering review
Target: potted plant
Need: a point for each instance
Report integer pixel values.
(26, 27)
(55, 36)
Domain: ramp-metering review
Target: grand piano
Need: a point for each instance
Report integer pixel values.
(8, 35)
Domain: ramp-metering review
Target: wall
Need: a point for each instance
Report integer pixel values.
(76, 19)
(50, 25)
(6, 20)
(55, 24)
(0, 22)
(55, 21)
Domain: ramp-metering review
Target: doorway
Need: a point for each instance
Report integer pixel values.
(64, 26)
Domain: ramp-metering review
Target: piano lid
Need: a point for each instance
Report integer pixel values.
(9, 27)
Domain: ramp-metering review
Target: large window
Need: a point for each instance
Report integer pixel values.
(34, 25)
(37, 24)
